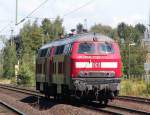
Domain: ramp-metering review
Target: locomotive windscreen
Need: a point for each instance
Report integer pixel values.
(105, 48)
(95, 48)
(88, 48)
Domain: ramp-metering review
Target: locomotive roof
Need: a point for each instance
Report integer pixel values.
(78, 37)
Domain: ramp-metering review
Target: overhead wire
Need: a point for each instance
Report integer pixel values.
(40, 18)
(32, 12)
(5, 27)
(28, 16)
(66, 14)
(76, 9)
(37, 8)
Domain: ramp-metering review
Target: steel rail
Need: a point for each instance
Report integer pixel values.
(129, 110)
(16, 87)
(129, 98)
(11, 108)
(101, 110)
(114, 109)
(21, 90)
(134, 99)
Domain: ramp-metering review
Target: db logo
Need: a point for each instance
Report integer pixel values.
(97, 65)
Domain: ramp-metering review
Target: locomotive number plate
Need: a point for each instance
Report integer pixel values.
(96, 65)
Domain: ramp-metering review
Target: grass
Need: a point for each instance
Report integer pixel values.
(5, 81)
(135, 87)
(13, 81)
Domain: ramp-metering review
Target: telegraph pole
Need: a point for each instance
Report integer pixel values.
(85, 23)
(12, 41)
(16, 12)
(16, 21)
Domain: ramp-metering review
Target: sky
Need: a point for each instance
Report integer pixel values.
(105, 12)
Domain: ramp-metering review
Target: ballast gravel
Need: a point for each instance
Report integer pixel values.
(16, 100)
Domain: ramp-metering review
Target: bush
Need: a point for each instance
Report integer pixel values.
(126, 87)
(26, 75)
(134, 87)
(146, 91)
(9, 61)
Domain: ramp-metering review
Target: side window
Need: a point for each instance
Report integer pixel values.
(43, 52)
(53, 49)
(39, 53)
(59, 50)
(68, 48)
(49, 52)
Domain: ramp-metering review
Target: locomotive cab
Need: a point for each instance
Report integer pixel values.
(96, 69)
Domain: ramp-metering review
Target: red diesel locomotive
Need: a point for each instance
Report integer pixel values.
(87, 66)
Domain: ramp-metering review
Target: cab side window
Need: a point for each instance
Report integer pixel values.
(59, 50)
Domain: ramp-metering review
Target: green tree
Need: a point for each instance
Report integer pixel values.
(121, 29)
(31, 37)
(1, 63)
(57, 27)
(52, 29)
(9, 56)
(26, 74)
(137, 57)
(47, 26)
(140, 27)
(129, 33)
(47, 30)
(103, 29)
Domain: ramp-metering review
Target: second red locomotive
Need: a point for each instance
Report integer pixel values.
(87, 66)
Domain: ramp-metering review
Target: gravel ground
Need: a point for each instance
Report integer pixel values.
(28, 105)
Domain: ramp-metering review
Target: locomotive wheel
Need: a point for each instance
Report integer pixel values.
(103, 102)
(84, 99)
(65, 97)
(58, 97)
(47, 96)
(55, 97)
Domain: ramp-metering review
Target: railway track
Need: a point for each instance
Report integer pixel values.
(29, 91)
(6, 109)
(21, 90)
(125, 110)
(110, 109)
(135, 99)
(117, 110)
